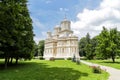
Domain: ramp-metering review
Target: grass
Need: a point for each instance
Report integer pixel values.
(50, 70)
(107, 63)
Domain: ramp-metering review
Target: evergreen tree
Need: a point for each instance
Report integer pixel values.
(88, 47)
(16, 35)
(82, 44)
(41, 47)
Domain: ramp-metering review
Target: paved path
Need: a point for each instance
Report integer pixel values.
(114, 73)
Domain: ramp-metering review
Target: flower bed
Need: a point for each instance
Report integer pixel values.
(96, 69)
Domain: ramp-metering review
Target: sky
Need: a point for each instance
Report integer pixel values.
(86, 16)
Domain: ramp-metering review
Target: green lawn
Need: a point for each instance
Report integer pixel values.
(107, 63)
(50, 70)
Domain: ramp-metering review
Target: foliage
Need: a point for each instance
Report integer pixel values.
(35, 50)
(87, 46)
(52, 59)
(41, 48)
(16, 35)
(82, 44)
(69, 58)
(96, 69)
(103, 46)
(108, 44)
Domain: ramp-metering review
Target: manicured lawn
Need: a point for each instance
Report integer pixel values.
(50, 70)
(107, 63)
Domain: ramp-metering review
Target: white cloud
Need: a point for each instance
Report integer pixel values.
(106, 14)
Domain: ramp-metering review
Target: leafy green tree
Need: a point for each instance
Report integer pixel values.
(35, 49)
(88, 47)
(93, 43)
(113, 44)
(82, 44)
(41, 47)
(16, 35)
(108, 43)
(103, 43)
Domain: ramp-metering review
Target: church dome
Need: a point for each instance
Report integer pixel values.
(65, 24)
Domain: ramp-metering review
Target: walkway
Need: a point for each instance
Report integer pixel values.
(114, 73)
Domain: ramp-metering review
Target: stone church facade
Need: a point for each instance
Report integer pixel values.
(61, 43)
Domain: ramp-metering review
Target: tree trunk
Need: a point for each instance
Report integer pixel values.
(113, 59)
(11, 60)
(6, 62)
(16, 61)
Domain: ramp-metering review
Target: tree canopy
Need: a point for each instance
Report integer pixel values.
(16, 35)
(105, 45)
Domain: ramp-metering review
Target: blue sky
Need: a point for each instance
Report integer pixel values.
(46, 14)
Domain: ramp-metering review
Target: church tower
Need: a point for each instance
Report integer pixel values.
(65, 24)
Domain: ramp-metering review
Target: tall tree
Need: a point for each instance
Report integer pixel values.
(41, 47)
(88, 47)
(82, 44)
(16, 35)
(103, 43)
(113, 43)
(108, 45)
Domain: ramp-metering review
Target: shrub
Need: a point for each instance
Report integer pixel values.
(96, 69)
(83, 58)
(41, 58)
(69, 58)
(52, 59)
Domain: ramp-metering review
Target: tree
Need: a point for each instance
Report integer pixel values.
(113, 44)
(108, 43)
(41, 47)
(16, 35)
(103, 43)
(88, 48)
(82, 44)
(93, 43)
(36, 50)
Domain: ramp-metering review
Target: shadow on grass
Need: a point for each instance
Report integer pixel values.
(39, 71)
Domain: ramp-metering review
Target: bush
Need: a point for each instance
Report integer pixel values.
(69, 58)
(83, 58)
(52, 59)
(117, 57)
(96, 69)
(41, 58)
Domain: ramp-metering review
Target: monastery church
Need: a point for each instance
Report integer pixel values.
(61, 43)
